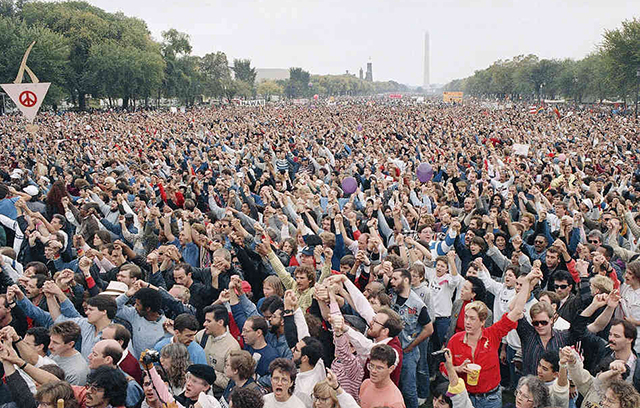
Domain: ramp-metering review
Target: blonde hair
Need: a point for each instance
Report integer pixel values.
(603, 283)
(275, 283)
(324, 390)
(480, 308)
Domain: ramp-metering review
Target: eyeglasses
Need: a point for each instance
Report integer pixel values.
(537, 323)
(562, 286)
(523, 396)
(314, 397)
(280, 380)
(594, 241)
(92, 388)
(376, 368)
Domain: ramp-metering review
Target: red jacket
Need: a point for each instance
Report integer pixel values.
(131, 366)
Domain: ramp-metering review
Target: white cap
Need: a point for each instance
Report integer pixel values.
(16, 173)
(31, 190)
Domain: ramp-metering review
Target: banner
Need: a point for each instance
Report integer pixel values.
(448, 97)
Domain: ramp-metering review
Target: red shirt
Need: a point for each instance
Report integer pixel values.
(486, 354)
(460, 321)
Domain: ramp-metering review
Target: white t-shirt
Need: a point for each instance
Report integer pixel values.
(292, 402)
(630, 303)
(46, 360)
(442, 289)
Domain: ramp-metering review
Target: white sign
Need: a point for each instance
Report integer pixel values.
(521, 149)
(27, 97)
(174, 109)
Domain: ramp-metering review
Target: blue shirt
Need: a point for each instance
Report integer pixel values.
(8, 208)
(264, 357)
(195, 350)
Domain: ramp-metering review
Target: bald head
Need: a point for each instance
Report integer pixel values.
(105, 353)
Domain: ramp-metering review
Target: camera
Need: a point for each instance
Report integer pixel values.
(150, 357)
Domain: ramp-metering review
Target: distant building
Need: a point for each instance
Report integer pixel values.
(369, 76)
(361, 76)
(273, 74)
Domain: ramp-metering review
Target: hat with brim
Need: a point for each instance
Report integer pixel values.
(203, 372)
(116, 288)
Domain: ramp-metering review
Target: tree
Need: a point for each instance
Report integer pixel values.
(244, 72)
(48, 58)
(621, 51)
(268, 88)
(215, 71)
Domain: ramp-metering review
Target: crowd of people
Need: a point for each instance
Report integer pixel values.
(215, 258)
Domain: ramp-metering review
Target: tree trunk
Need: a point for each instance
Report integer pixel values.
(82, 100)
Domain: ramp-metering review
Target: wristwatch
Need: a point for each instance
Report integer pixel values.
(287, 312)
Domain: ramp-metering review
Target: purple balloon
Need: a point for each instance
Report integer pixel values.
(349, 185)
(424, 172)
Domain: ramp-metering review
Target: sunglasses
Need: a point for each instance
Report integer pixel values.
(537, 323)
(562, 286)
(594, 241)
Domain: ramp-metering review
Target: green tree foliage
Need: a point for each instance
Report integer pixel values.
(244, 72)
(48, 58)
(268, 88)
(621, 52)
(610, 72)
(215, 73)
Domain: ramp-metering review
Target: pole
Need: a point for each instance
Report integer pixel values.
(638, 89)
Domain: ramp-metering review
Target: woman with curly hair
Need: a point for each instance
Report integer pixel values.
(532, 392)
(54, 199)
(246, 398)
(621, 394)
(175, 359)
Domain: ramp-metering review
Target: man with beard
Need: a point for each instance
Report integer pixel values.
(384, 327)
(200, 379)
(417, 328)
(598, 353)
(308, 358)
(217, 342)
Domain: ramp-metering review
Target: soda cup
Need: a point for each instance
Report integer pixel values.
(472, 377)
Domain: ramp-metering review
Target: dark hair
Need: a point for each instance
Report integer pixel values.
(104, 303)
(384, 353)
(405, 274)
(40, 280)
(69, 331)
(185, 267)
(562, 276)
(394, 322)
(552, 358)
(40, 337)
(61, 219)
(313, 349)
(271, 304)
(41, 269)
(628, 329)
(114, 352)
(150, 298)
(4, 191)
(553, 297)
(478, 288)
(186, 321)
(259, 323)
(121, 334)
(286, 366)
(55, 370)
(439, 390)
(348, 260)
(112, 381)
(246, 398)
(219, 313)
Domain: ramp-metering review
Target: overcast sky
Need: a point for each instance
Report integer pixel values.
(331, 36)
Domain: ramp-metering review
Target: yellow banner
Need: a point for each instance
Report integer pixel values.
(452, 97)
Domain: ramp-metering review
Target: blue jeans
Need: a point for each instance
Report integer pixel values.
(408, 373)
(440, 328)
(423, 370)
(514, 374)
(488, 401)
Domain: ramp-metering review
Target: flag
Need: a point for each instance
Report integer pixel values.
(557, 112)
(540, 109)
(533, 109)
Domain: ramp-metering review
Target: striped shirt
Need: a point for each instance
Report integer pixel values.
(532, 348)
